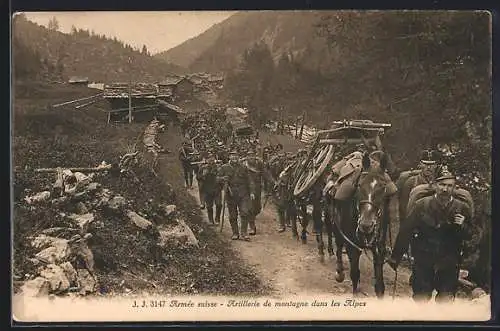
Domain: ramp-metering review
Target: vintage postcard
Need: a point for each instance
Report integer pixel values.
(251, 166)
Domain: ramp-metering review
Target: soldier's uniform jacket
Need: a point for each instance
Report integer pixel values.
(258, 171)
(208, 174)
(238, 179)
(184, 154)
(434, 237)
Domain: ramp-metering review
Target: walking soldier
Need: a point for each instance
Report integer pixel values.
(436, 226)
(239, 193)
(185, 156)
(258, 173)
(211, 189)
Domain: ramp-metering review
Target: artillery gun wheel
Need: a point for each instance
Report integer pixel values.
(314, 169)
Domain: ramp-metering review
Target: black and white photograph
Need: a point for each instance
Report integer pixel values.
(278, 165)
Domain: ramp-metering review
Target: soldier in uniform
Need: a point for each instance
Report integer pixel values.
(200, 179)
(428, 166)
(211, 189)
(436, 228)
(239, 192)
(258, 174)
(281, 192)
(185, 156)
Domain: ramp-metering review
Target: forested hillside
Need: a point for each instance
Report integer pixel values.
(82, 53)
(426, 73)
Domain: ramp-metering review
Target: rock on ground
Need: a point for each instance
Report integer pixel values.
(138, 220)
(86, 281)
(57, 252)
(181, 232)
(56, 277)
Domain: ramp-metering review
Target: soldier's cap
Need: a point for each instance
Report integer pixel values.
(444, 173)
(429, 157)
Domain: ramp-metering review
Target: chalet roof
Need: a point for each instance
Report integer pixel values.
(216, 78)
(196, 80)
(78, 79)
(170, 106)
(171, 81)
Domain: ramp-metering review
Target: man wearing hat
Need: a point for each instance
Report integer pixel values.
(186, 156)
(258, 174)
(239, 192)
(211, 190)
(436, 228)
(428, 164)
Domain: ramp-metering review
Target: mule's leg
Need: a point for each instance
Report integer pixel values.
(304, 224)
(318, 228)
(339, 243)
(355, 274)
(329, 231)
(293, 219)
(378, 265)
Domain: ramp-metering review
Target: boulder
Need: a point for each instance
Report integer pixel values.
(169, 210)
(56, 277)
(70, 272)
(53, 254)
(181, 232)
(117, 203)
(57, 250)
(83, 220)
(36, 287)
(81, 208)
(138, 220)
(44, 241)
(39, 197)
(86, 282)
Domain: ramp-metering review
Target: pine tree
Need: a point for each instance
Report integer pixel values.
(53, 24)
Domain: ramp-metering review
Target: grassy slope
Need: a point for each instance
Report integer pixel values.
(214, 268)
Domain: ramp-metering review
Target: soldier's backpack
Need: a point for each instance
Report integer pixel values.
(404, 176)
(425, 190)
(348, 170)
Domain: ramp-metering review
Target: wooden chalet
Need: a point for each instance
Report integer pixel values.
(142, 97)
(77, 80)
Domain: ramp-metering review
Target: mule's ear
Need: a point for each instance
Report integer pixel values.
(366, 161)
(384, 162)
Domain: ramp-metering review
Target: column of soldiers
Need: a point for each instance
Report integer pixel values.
(224, 165)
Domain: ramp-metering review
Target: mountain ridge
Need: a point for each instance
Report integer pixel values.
(82, 53)
(220, 48)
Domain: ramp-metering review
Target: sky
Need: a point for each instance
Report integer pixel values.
(159, 31)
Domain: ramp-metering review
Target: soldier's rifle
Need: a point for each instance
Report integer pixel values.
(205, 162)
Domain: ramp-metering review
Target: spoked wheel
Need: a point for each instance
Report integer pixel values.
(313, 170)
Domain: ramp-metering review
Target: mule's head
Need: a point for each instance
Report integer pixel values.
(371, 196)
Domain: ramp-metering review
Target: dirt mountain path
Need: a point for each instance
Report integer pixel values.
(292, 268)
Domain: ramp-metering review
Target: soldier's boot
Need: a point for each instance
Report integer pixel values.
(253, 228)
(281, 220)
(244, 229)
(218, 211)
(234, 228)
(210, 212)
